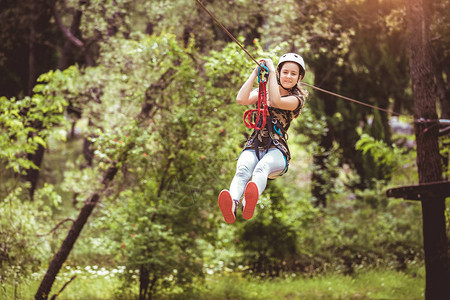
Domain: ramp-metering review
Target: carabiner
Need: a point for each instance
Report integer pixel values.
(265, 70)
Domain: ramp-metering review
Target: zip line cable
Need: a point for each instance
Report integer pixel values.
(303, 83)
(227, 32)
(353, 100)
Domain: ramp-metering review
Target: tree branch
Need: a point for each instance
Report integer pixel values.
(56, 227)
(65, 30)
(63, 287)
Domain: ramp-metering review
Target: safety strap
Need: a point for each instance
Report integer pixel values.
(262, 109)
(273, 128)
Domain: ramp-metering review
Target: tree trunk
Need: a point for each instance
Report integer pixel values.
(32, 175)
(144, 282)
(152, 287)
(39, 20)
(67, 245)
(69, 49)
(428, 158)
(32, 57)
(71, 38)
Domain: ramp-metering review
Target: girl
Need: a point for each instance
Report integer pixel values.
(266, 153)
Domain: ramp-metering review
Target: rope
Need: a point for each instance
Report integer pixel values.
(227, 32)
(262, 110)
(353, 100)
(303, 83)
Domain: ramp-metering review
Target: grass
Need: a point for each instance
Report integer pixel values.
(367, 284)
(90, 283)
(372, 284)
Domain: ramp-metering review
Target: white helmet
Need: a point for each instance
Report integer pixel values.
(293, 57)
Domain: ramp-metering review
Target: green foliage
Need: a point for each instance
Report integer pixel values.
(24, 125)
(171, 160)
(153, 241)
(387, 158)
(310, 126)
(444, 142)
(268, 243)
(310, 130)
(242, 18)
(22, 246)
(161, 108)
(368, 236)
(103, 18)
(324, 175)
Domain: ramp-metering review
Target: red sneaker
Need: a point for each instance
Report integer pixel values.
(226, 206)
(251, 196)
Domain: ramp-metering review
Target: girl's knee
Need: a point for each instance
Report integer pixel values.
(261, 168)
(243, 172)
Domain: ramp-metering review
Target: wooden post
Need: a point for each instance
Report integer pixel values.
(428, 159)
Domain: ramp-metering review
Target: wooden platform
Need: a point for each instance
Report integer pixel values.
(421, 191)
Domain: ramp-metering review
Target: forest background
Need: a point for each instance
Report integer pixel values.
(120, 115)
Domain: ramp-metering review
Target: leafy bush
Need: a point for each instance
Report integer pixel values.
(269, 241)
(387, 159)
(23, 245)
(353, 232)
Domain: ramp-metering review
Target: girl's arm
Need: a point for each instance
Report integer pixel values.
(245, 95)
(275, 99)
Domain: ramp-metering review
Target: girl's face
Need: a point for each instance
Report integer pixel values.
(289, 74)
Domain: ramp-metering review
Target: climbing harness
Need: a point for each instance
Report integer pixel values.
(263, 118)
(262, 110)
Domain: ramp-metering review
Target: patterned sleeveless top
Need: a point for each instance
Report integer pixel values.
(280, 121)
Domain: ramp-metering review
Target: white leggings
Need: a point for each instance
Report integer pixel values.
(248, 167)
